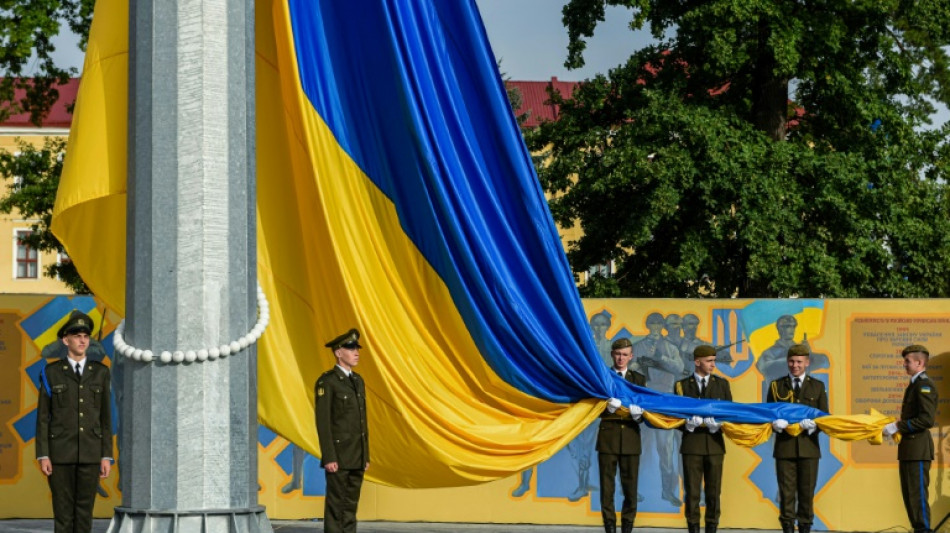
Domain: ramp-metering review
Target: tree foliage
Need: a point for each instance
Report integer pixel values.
(29, 79)
(37, 171)
(26, 61)
(760, 148)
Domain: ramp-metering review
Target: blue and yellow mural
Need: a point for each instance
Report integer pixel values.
(856, 345)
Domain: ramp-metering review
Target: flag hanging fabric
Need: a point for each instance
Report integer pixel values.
(395, 195)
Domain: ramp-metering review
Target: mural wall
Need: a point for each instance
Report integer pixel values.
(856, 352)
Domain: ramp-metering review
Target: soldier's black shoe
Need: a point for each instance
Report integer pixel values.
(692, 528)
(803, 528)
(610, 528)
(711, 528)
(788, 527)
(626, 527)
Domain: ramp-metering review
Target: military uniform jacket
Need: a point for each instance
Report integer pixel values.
(341, 419)
(918, 412)
(813, 395)
(619, 434)
(701, 441)
(74, 417)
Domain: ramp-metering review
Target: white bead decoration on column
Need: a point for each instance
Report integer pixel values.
(203, 354)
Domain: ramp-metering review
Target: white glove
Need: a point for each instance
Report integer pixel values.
(693, 422)
(612, 405)
(809, 425)
(890, 429)
(779, 425)
(711, 424)
(636, 412)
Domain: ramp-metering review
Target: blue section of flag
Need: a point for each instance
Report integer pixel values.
(447, 151)
(434, 133)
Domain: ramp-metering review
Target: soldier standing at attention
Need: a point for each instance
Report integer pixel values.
(796, 458)
(343, 434)
(915, 451)
(618, 444)
(703, 447)
(74, 428)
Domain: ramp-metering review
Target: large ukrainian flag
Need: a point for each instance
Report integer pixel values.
(395, 195)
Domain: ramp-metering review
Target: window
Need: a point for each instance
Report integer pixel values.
(27, 260)
(604, 270)
(17, 183)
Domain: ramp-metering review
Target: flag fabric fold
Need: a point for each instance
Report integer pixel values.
(395, 195)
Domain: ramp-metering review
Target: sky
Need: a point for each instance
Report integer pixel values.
(529, 39)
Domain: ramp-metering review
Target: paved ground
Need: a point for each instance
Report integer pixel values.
(300, 526)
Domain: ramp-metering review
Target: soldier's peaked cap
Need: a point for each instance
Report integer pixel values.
(78, 322)
(914, 348)
(798, 349)
(704, 350)
(350, 339)
(621, 343)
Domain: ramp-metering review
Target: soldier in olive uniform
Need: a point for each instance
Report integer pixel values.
(916, 448)
(343, 434)
(703, 447)
(618, 444)
(796, 457)
(74, 427)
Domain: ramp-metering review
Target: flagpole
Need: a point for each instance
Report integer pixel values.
(187, 369)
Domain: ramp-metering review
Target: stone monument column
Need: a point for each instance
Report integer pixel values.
(188, 417)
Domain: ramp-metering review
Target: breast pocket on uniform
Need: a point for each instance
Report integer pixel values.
(59, 395)
(342, 402)
(97, 395)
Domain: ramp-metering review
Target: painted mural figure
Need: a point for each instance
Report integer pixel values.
(618, 446)
(661, 362)
(796, 457)
(599, 325)
(915, 452)
(771, 363)
(296, 470)
(691, 341)
(581, 448)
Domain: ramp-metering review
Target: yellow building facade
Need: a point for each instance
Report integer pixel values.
(21, 268)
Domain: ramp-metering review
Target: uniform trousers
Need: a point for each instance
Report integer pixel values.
(915, 488)
(629, 471)
(701, 471)
(797, 479)
(343, 497)
(74, 494)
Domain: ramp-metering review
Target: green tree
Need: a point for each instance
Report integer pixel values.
(37, 171)
(26, 61)
(760, 148)
(515, 98)
(28, 84)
